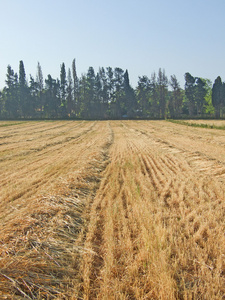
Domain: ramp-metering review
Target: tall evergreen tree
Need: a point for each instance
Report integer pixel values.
(97, 110)
(190, 93)
(69, 93)
(40, 87)
(63, 85)
(110, 83)
(155, 110)
(63, 82)
(39, 77)
(11, 94)
(117, 105)
(34, 96)
(200, 94)
(176, 98)
(83, 97)
(130, 104)
(143, 95)
(90, 92)
(22, 75)
(23, 92)
(104, 85)
(217, 96)
(75, 88)
(162, 84)
(52, 97)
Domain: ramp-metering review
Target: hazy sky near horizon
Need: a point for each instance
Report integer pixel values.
(141, 36)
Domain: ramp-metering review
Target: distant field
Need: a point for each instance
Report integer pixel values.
(112, 210)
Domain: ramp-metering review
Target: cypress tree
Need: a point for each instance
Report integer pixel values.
(130, 100)
(11, 94)
(63, 90)
(200, 93)
(75, 83)
(23, 92)
(63, 82)
(217, 96)
(143, 95)
(190, 92)
(162, 84)
(176, 98)
(40, 87)
(69, 93)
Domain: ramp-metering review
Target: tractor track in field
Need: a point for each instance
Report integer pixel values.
(144, 190)
(197, 160)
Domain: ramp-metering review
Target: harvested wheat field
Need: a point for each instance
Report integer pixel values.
(111, 210)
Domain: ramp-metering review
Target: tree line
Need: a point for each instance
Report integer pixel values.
(108, 94)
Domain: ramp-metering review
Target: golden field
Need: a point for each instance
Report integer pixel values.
(111, 210)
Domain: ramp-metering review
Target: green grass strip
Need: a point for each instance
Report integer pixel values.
(11, 124)
(201, 125)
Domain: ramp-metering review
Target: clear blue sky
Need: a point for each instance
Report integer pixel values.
(141, 36)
